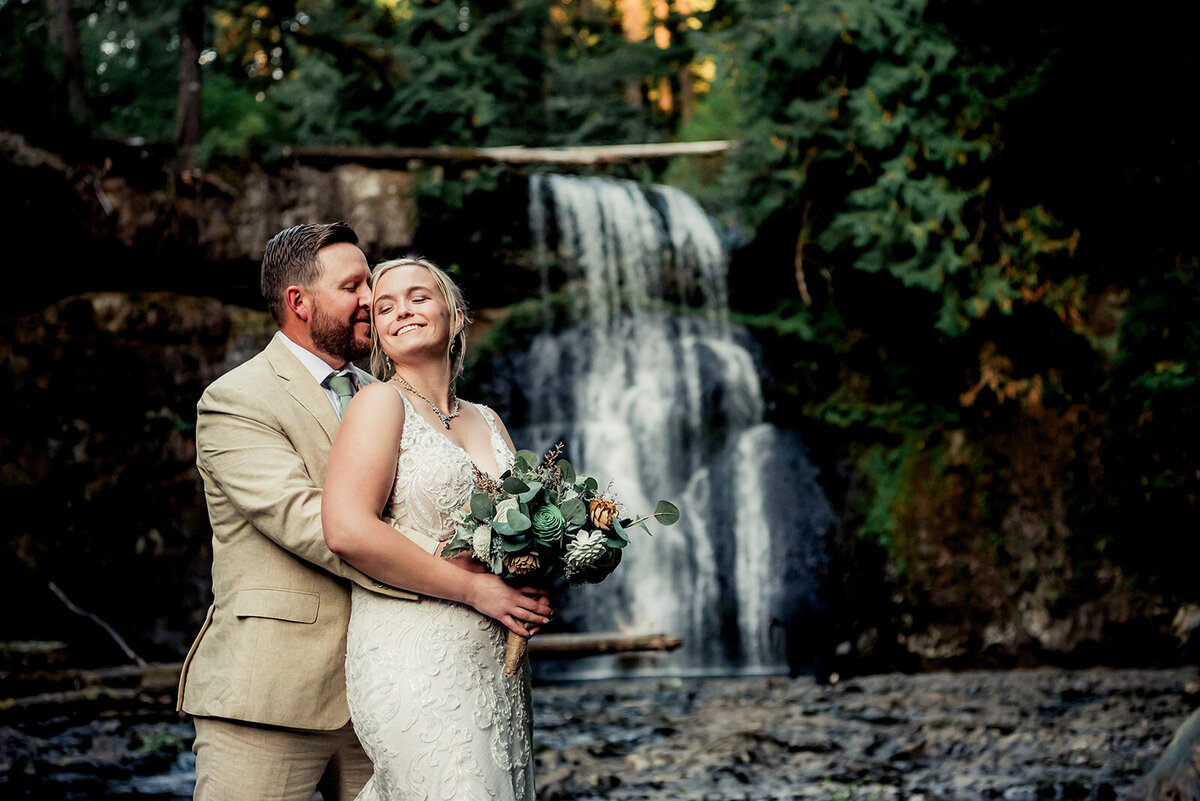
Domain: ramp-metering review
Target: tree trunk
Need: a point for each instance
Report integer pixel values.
(187, 115)
(63, 30)
(662, 38)
(687, 95)
(634, 26)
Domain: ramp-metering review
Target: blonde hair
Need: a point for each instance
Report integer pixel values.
(381, 366)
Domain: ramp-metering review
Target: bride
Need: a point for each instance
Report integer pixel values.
(424, 679)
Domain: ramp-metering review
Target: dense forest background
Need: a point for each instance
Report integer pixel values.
(963, 233)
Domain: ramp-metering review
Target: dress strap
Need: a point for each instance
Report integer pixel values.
(500, 449)
(489, 416)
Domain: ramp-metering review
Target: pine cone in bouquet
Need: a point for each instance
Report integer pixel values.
(601, 513)
(522, 564)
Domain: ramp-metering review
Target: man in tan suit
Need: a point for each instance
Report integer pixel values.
(265, 677)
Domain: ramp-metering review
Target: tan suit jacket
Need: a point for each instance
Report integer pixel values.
(273, 647)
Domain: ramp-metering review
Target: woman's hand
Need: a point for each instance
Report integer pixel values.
(512, 606)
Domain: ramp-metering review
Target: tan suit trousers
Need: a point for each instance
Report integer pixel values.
(237, 761)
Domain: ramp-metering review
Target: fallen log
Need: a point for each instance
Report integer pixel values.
(577, 646)
(150, 676)
(85, 695)
(136, 680)
(575, 156)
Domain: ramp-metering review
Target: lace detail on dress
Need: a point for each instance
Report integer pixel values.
(425, 680)
(430, 472)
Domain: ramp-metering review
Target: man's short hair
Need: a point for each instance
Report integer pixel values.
(291, 259)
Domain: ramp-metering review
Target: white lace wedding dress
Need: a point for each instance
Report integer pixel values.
(425, 679)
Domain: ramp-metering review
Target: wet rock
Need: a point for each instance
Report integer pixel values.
(1013, 735)
(1024, 735)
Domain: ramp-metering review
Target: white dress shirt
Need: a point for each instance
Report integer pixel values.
(320, 369)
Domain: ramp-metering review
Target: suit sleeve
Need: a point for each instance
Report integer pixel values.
(257, 475)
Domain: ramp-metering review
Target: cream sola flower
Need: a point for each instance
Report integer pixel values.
(481, 543)
(585, 550)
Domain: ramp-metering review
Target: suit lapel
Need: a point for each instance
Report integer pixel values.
(301, 386)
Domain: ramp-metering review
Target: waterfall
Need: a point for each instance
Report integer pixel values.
(641, 375)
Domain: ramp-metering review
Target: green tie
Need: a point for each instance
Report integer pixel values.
(341, 386)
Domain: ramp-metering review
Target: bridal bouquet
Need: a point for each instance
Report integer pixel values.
(541, 523)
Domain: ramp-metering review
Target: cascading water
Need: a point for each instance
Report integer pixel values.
(668, 404)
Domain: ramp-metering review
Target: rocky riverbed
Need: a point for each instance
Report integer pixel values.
(1016, 735)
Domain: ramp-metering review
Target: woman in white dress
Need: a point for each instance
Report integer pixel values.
(424, 679)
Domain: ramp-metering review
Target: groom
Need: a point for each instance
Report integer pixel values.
(265, 678)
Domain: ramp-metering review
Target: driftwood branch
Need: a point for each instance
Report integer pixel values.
(576, 156)
(575, 646)
(117, 638)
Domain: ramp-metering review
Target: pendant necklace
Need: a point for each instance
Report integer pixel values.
(445, 418)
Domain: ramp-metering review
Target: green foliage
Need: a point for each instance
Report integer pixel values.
(1152, 454)
(884, 472)
(26, 50)
(311, 102)
(873, 135)
(237, 125)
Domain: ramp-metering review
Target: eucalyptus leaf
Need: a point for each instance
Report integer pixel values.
(527, 495)
(566, 471)
(590, 484)
(482, 507)
(619, 530)
(642, 525)
(666, 513)
(574, 512)
(454, 547)
(504, 529)
(519, 522)
(616, 542)
(512, 545)
(514, 486)
(528, 457)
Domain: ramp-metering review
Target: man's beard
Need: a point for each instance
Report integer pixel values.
(336, 337)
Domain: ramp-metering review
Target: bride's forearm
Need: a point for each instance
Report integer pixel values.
(384, 554)
(389, 556)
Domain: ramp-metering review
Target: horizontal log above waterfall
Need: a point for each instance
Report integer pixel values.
(567, 156)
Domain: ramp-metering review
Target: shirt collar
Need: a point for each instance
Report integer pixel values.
(319, 368)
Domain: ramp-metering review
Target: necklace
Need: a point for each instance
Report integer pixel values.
(445, 418)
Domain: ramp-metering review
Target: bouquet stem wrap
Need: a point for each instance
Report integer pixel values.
(514, 649)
